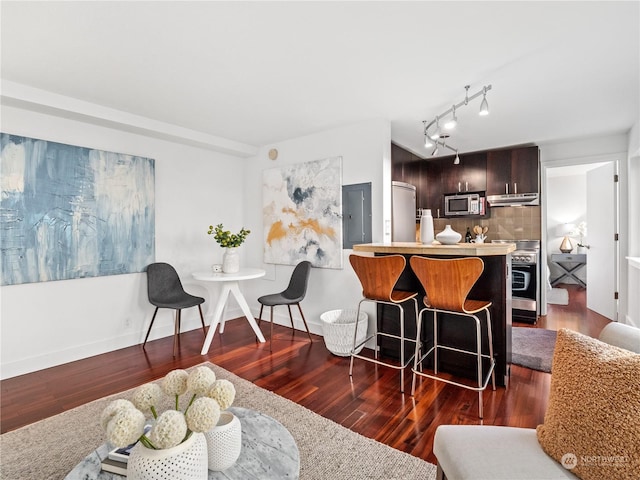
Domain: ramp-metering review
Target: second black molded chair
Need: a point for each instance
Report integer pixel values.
(165, 291)
(447, 282)
(378, 277)
(293, 295)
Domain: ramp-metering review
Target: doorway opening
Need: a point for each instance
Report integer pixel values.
(581, 223)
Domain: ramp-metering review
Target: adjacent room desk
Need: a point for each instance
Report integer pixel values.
(229, 285)
(576, 261)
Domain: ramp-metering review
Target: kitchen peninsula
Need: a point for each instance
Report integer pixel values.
(493, 285)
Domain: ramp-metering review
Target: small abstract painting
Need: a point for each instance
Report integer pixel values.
(302, 210)
(73, 212)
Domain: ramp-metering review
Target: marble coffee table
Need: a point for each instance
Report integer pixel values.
(268, 452)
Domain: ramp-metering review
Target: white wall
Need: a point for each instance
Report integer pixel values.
(365, 149)
(45, 324)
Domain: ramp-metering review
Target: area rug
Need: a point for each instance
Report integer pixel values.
(558, 296)
(49, 449)
(533, 347)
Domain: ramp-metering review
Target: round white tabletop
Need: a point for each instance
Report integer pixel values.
(242, 274)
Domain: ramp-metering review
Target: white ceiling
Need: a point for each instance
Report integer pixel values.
(262, 72)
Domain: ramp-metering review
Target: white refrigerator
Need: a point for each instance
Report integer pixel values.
(403, 212)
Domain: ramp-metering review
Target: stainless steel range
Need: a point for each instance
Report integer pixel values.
(525, 280)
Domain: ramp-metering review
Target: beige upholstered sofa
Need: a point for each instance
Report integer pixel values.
(591, 428)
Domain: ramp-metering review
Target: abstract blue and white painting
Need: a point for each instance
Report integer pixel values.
(73, 212)
(302, 212)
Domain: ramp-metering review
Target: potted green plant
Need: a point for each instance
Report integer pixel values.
(230, 241)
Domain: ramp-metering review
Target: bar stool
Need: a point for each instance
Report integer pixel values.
(378, 276)
(447, 283)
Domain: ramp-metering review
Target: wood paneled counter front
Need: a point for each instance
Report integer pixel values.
(494, 284)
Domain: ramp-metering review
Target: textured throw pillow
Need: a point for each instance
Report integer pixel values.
(592, 422)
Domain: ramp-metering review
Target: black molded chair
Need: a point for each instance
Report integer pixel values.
(293, 295)
(165, 291)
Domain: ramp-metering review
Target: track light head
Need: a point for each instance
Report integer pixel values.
(484, 106)
(435, 151)
(436, 133)
(453, 121)
(427, 141)
(456, 161)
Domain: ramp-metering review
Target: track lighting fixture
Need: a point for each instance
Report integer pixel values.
(457, 159)
(432, 128)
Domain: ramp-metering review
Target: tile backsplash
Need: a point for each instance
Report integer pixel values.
(504, 223)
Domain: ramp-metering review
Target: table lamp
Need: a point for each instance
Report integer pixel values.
(565, 230)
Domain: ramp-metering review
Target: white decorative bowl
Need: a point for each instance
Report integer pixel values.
(448, 236)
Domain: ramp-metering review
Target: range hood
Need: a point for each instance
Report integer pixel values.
(513, 199)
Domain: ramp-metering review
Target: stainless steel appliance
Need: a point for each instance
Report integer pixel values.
(513, 199)
(525, 280)
(463, 204)
(403, 213)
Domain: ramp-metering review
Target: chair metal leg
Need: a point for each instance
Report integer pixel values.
(435, 342)
(418, 352)
(491, 360)
(176, 332)
(479, 346)
(204, 329)
(293, 329)
(402, 357)
(271, 331)
(260, 316)
(304, 320)
(150, 325)
(355, 336)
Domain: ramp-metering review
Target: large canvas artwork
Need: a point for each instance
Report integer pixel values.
(73, 212)
(302, 210)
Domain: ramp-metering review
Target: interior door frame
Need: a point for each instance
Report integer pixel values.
(617, 159)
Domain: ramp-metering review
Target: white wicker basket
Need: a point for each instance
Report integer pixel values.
(187, 461)
(224, 442)
(337, 329)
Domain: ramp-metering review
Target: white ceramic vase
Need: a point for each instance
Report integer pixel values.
(187, 461)
(426, 227)
(231, 260)
(224, 442)
(448, 236)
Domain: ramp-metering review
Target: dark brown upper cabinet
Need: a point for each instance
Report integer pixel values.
(513, 171)
(470, 175)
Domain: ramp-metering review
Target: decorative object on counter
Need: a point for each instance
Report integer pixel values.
(433, 134)
(426, 226)
(581, 230)
(467, 237)
(480, 234)
(231, 241)
(175, 447)
(565, 230)
(216, 268)
(448, 236)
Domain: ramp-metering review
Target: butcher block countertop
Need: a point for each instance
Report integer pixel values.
(463, 249)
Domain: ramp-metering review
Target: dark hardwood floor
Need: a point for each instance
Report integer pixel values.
(305, 373)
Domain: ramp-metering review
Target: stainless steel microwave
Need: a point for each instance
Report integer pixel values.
(463, 204)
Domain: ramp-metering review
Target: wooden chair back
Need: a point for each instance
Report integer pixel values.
(447, 282)
(378, 275)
